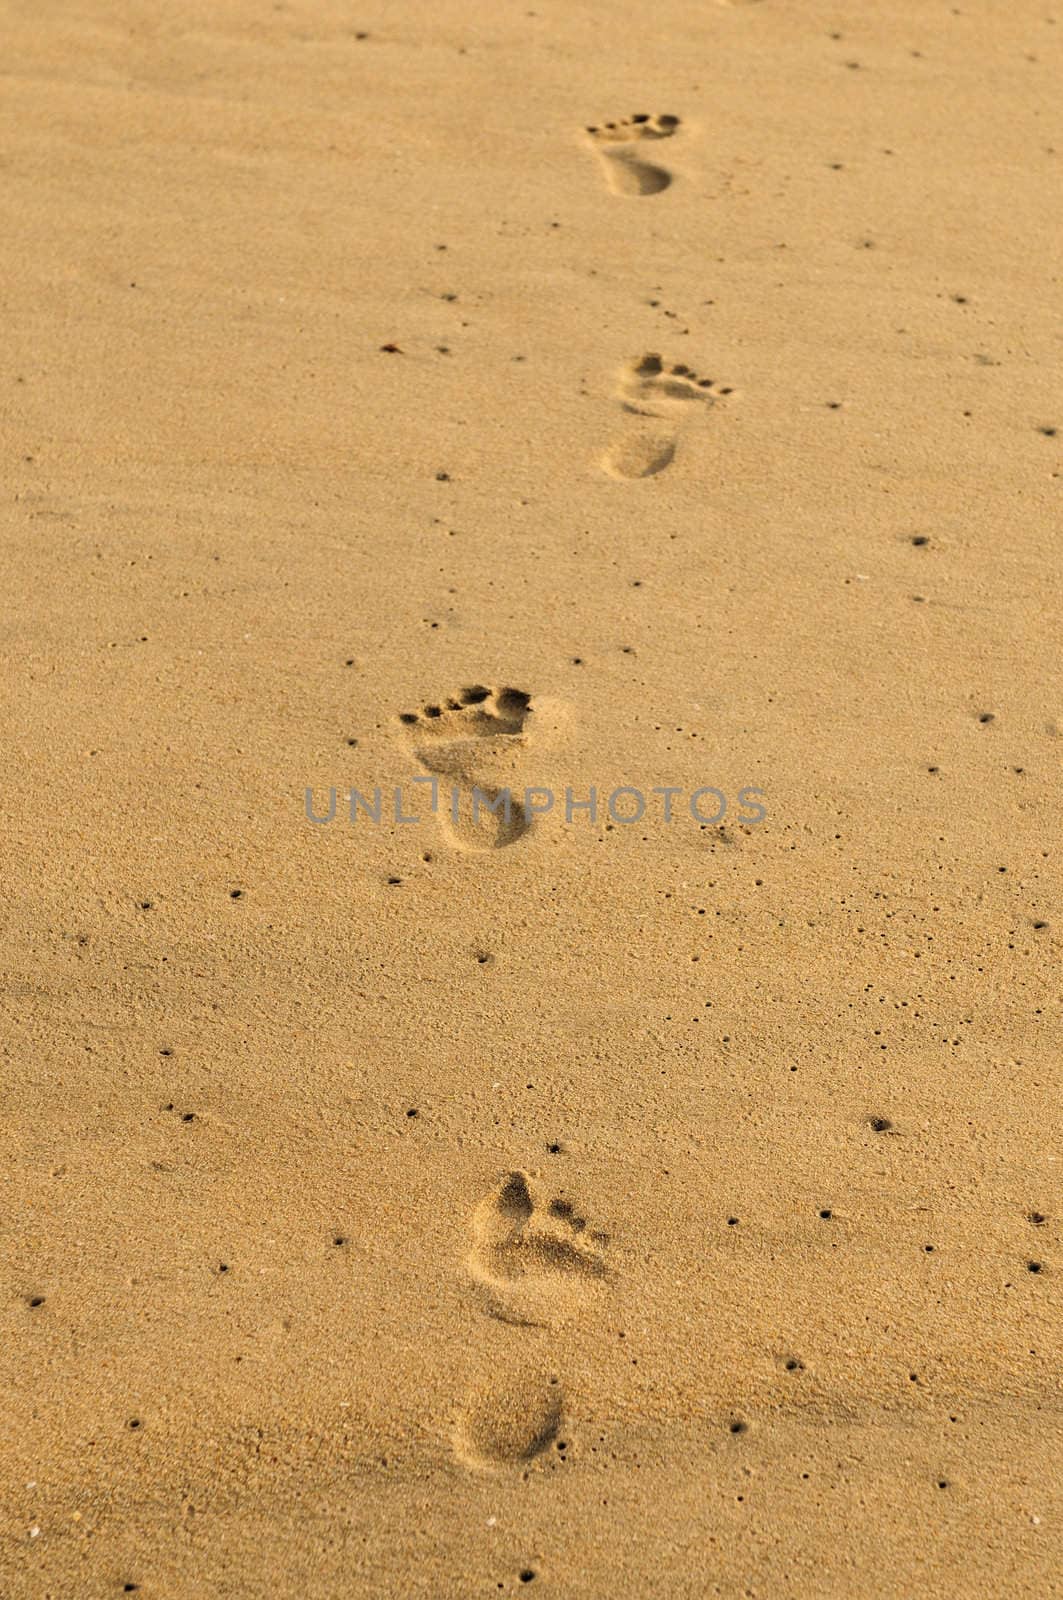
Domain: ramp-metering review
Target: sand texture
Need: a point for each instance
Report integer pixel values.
(499, 402)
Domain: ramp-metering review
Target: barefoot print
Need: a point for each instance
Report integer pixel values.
(518, 1237)
(473, 741)
(622, 147)
(510, 1420)
(663, 399)
(534, 1260)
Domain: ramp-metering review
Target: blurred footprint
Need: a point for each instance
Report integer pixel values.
(622, 145)
(509, 1421)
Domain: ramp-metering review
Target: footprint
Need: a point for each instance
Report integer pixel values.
(517, 1237)
(473, 741)
(528, 1252)
(662, 397)
(509, 1422)
(621, 146)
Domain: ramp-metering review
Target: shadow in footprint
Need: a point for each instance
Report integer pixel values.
(622, 146)
(510, 1422)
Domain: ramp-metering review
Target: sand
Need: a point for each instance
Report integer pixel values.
(550, 1203)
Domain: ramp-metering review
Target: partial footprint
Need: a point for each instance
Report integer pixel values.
(509, 1422)
(519, 1237)
(640, 454)
(472, 743)
(662, 398)
(622, 148)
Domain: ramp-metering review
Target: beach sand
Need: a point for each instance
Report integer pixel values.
(571, 1205)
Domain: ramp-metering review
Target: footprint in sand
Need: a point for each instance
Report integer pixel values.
(509, 1421)
(529, 1252)
(473, 742)
(622, 148)
(518, 1236)
(663, 398)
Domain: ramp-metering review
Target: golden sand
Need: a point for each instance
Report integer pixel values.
(552, 397)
